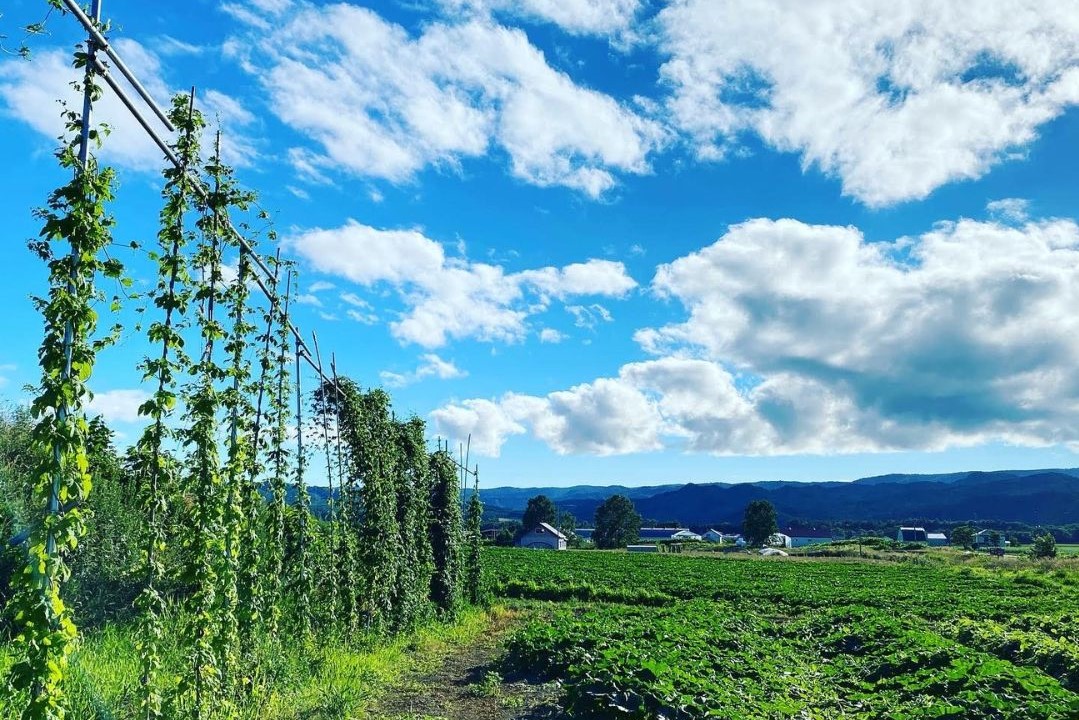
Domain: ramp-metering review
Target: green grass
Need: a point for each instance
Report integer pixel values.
(320, 680)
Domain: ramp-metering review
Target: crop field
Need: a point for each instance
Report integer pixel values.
(653, 636)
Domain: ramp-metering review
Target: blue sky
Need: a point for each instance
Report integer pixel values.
(621, 241)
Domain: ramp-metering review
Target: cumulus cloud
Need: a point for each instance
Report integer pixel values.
(382, 103)
(578, 17)
(894, 99)
(1011, 209)
(118, 405)
(29, 92)
(431, 366)
(807, 339)
(550, 335)
(449, 298)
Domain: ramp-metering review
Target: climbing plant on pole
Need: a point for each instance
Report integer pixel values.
(206, 642)
(172, 296)
(304, 580)
(445, 533)
(413, 517)
(278, 453)
(75, 235)
(347, 574)
(474, 539)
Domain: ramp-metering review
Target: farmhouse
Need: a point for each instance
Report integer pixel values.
(543, 536)
(937, 539)
(911, 535)
(989, 538)
(800, 536)
(685, 535)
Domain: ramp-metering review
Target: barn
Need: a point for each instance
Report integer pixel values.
(544, 537)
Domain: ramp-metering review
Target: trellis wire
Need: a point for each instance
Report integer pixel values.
(95, 64)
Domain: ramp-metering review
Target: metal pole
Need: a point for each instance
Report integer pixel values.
(102, 43)
(62, 410)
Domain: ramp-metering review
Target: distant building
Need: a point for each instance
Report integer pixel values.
(801, 536)
(685, 536)
(543, 536)
(584, 533)
(649, 533)
(984, 538)
(911, 535)
(643, 548)
(779, 540)
(936, 539)
(713, 536)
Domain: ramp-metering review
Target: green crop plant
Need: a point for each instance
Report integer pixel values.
(474, 538)
(413, 511)
(303, 581)
(445, 531)
(172, 296)
(278, 455)
(75, 236)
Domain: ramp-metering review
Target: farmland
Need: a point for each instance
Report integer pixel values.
(688, 637)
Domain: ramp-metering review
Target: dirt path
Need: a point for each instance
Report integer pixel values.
(464, 685)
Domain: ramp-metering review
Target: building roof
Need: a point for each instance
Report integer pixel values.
(936, 536)
(912, 534)
(550, 529)
(659, 533)
(803, 532)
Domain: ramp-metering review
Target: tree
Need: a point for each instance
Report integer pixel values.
(963, 536)
(995, 538)
(759, 522)
(540, 510)
(617, 523)
(1045, 546)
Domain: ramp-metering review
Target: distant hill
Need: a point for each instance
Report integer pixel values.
(1025, 496)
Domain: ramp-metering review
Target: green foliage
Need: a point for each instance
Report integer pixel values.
(617, 523)
(540, 509)
(474, 538)
(647, 636)
(963, 537)
(1045, 546)
(171, 295)
(445, 533)
(759, 522)
(276, 356)
(75, 235)
(413, 482)
(303, 582)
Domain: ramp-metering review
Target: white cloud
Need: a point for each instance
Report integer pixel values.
(579, 17)
(451, 298)
(320, 286)
(588, 316)
(29, 92)
(381, 103)
(431, 366)
(894, 99)
(118, 405)
(1011, 209)
(308, 299)
(550, 335)
(5, 370)
(807, 339)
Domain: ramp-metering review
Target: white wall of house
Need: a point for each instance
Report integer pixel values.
(541, 539)
(797, 541)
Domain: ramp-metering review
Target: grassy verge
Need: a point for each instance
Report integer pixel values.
(325, 679)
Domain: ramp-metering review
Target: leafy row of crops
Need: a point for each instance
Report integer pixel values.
(683, 637)
(228, 414)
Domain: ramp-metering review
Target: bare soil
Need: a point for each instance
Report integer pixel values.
(463, 684)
